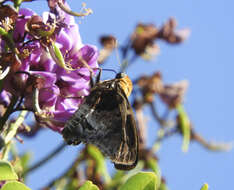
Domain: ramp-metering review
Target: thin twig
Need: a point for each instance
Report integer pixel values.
(8, 112)
(68, 172)
(14, 127)
(45, 159)
(210, 145)
(23, 109)
(163, 122)
(160, 138)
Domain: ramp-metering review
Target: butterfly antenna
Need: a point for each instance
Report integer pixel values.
(117, 53)
(112, 70)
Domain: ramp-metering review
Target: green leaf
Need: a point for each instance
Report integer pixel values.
(141, 181)
(153, 164)
(205, 187)
(184, 124)
(25, 158)
(21, 163)
(6, 171)
(88, 185)
(163, 186)
(14, 185)
(100, 162)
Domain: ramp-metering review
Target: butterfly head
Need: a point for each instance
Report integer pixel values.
(125, 83)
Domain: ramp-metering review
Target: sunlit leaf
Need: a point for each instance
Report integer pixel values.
(88, 185)
(100, 161)
(184, 124)
(14, 185)
(121, 177)
(25, 158)
(205, 187)
(141, 181)
(163, 186)
(117, 179)
(139, 167)
(6, 171)
(153, 164)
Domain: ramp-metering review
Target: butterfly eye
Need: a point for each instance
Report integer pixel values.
(120, 75)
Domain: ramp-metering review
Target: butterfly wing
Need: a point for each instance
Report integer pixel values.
(106, 120)
(128, 149)
(117, 133)
(97, 120)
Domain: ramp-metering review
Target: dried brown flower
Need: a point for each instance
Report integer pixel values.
(143, 36)
(173, 94)
(150, 86)
(169, 34)
(108, 42)
(8, 12)
(37, 28)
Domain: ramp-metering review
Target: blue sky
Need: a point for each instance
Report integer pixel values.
(206, 59)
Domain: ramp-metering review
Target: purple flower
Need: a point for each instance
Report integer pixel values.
(2, 183)
(5, 98)
(60, 90)
(24, 16)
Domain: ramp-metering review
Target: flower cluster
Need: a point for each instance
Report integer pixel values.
(144, 37)
(47, 58)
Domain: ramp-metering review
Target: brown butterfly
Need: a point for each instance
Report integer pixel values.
(106, 119)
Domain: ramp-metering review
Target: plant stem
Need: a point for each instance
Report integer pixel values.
(8, 112)
(69, 172)
(163, 122)
(5, 151)
(214, 146)
(45, 159)
(14, 127)
(11, 133)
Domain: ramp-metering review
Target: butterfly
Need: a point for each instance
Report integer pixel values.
(106, 120)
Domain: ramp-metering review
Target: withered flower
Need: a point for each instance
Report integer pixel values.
(37, 28)
(150, 85)
(8, 15)
(169, 33)
(173, 94)
(143, 39)
(143, 36)
(108, 42)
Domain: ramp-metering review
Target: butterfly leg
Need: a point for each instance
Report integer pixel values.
(99, 76)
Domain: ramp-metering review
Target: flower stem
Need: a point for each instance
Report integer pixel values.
(8, 112)
(86, 12)
(9, 40)
(14, 127)
(5, 151)
(11, 133)
(4, 73)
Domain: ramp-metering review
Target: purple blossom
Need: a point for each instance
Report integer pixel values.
(2, 183)
(5, 98)
(60, 90)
